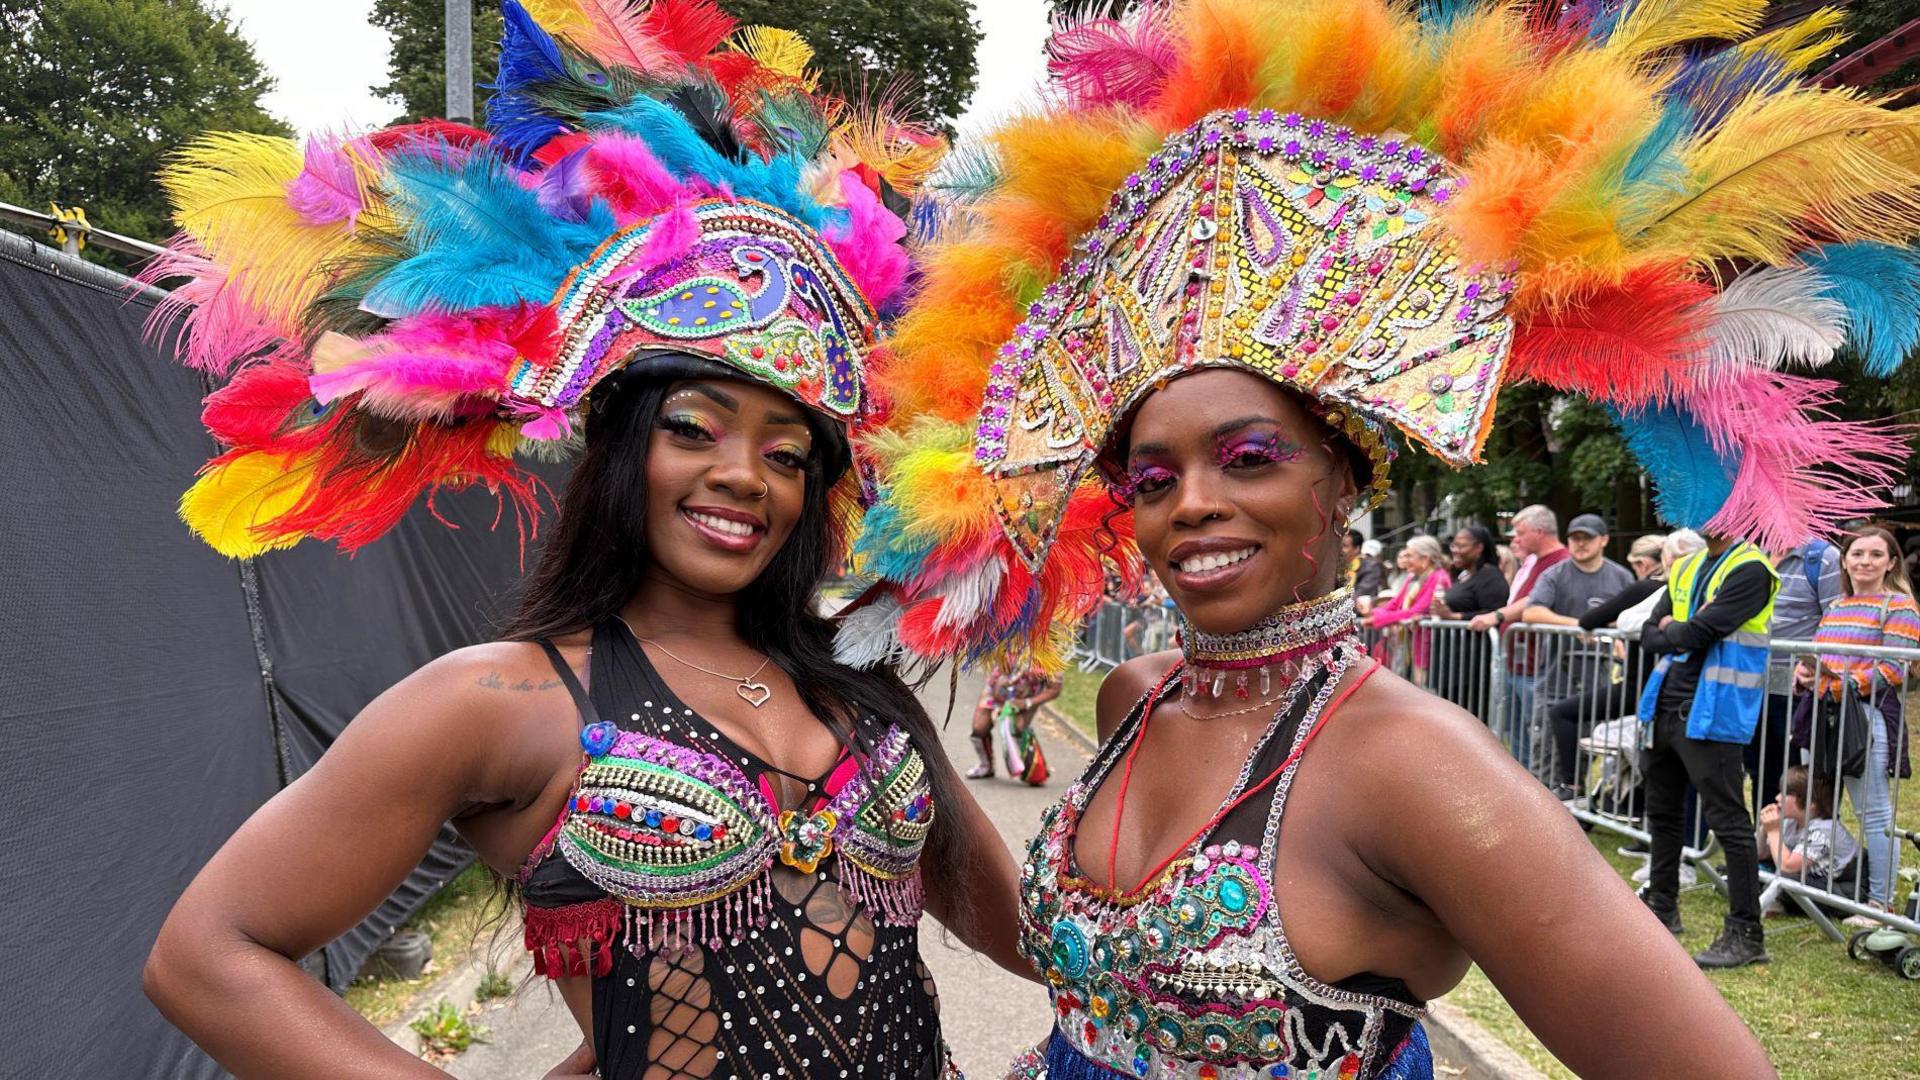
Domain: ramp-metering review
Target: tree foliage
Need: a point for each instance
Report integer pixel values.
(94, 93)
(862, 47)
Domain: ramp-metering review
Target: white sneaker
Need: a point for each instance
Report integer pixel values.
(1689, 877)
(1862, 922)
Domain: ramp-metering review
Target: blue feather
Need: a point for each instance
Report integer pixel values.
(529, 57)
(1879, 285)
(1712, 85)
(1691, 481)
(481, 237)
(688, 156)
(1656, 161)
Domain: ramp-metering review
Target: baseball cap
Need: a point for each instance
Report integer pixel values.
(1591, 524)
(1371, 549)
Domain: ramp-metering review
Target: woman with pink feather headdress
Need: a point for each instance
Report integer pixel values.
(1189, 306)
(670, 254)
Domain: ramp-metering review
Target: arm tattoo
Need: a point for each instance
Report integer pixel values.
(492, 680)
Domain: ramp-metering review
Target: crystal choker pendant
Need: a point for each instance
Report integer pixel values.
(1275, 650)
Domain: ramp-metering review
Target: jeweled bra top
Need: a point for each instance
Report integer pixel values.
(1191, 975)
(728, 936)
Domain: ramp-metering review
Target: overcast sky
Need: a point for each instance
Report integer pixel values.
(325, 55)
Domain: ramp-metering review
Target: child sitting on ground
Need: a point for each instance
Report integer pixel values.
(1804, 842)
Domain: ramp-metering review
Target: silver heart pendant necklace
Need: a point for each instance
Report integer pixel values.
(753, 693)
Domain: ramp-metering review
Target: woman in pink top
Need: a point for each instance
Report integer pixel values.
(1426, 578)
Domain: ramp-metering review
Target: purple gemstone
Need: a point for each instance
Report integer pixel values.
(1419, 184)
(1369, 142)
(1318, 157)
(1240, 116)
(1442, 194)
(1369, 171)
(1213, 138)
(1133, 180)
(1390, 147)
(1343, 163)
(1342, 136)
(1292, 149)
(1472, 291)
(1266, 116)
(982, 454)
(1317, 128)
(1291, 120)
(1266, 144)
(1396, 178)
(1415, 155)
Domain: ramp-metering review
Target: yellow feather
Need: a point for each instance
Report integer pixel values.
(559, 17)
(781, 51)
(229, 500)
(1786, 167)
(1655, 25)
(228, 191)
(1798, 45)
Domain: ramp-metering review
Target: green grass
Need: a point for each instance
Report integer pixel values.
(1079, 691)
(1820, 1015)
(445, 1031)
(460, 918)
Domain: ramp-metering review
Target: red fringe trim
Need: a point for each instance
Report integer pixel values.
(574, 940)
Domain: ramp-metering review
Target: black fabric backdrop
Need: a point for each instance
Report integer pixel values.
(152, 693)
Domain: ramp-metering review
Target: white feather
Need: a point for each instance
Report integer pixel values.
(871, 636)
(1774, 316)
(963, 598)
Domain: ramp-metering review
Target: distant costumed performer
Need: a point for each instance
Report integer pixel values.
(670, 254)
(1355, 223)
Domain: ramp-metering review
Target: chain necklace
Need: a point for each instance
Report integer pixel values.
(1276, 649)
(1242, 711)
(753, 693)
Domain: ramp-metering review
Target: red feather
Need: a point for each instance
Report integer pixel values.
(1628, 344)
(689, 29)
(259, 409)
(427, 132)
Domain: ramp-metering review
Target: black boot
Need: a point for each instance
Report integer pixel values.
(1669, 916)
(984, 745)
(1737, 945)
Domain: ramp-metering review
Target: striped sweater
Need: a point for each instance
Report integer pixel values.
(1889, 619)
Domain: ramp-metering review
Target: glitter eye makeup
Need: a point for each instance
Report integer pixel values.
(1143, 479)
(689, 425)
(1257, 448)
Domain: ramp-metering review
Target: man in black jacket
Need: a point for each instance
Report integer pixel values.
(1713, 767)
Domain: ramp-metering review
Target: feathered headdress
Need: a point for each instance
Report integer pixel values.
(404, 311)
(1393, 213)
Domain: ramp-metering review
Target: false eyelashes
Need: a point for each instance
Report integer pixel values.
(1257, 448)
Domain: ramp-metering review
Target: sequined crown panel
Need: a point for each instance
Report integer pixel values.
(1286, 246)
(757, 291)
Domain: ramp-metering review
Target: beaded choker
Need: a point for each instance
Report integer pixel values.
(1277, 647)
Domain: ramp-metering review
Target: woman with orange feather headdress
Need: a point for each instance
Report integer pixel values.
(670, 253)
(1182, 314)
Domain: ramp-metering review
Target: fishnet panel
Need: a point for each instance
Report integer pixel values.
(681, 1045)
(836, 936)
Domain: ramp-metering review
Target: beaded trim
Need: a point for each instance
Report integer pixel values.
(1278, 644)
(1299, 250)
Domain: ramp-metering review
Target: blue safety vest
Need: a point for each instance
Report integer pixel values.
(1733, 675)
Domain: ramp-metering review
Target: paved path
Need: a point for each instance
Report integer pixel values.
(989, 1014)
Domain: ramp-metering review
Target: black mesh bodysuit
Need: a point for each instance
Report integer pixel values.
(728, 936)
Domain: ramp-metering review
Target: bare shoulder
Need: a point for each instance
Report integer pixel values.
(488, 685)
(1124, 685)
(1397, 736)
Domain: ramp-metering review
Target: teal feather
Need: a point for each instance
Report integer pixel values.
(1693, 480)
(1879, 285)
(482, 238)
(678, 146)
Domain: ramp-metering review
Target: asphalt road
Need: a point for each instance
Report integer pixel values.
(989, 1014)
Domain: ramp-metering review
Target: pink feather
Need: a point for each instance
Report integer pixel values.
(328, 187)
(868, 245)
(625, 173)
(1803, 472)
(434, 365)
(671, 237)
(218, 328)
(1099, 62)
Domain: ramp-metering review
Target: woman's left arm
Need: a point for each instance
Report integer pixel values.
(981, 903)
(1514, 880)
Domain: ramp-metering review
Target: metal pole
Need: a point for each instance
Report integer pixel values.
(460, 61)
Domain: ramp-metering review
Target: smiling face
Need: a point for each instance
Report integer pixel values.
(1867, 561)
(727, 474)
(1467, 552)
(1238, 497)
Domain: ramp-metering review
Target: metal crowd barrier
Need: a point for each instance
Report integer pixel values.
(1564, 702)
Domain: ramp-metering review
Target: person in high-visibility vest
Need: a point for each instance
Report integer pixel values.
(1703, 703)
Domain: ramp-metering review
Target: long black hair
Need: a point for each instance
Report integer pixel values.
(596, 554)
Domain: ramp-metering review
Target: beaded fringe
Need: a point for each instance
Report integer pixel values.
(895, 903)
(556, 937)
